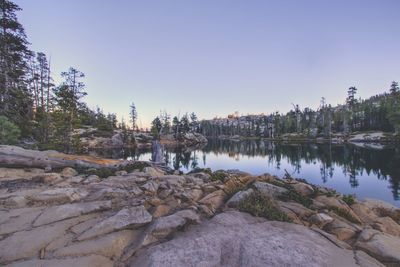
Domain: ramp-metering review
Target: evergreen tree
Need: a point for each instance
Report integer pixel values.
(133, 115)
(15, 100)
(394, 88)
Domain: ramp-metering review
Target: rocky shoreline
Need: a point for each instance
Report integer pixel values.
(140, 214)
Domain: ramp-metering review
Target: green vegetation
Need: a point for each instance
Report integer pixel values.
(9, 132)
(218, 176)
(344, 214)
(101, 172)
(292, 195)
(137, 165)
(261, 206)
(349, 199)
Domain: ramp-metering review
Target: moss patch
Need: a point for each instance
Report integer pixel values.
(218, 176)
(261, 206)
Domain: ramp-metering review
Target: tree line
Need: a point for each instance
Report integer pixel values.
(377, 113)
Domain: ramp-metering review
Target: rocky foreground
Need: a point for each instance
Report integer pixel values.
(148, 217)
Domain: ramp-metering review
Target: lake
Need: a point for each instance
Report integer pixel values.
(348, 168)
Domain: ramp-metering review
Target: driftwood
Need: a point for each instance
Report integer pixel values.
(13, 156)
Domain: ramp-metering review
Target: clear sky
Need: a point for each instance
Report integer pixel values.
(215, 57)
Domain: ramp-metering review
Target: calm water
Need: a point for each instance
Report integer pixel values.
(347, 168)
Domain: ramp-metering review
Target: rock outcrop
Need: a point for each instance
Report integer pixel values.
(152, 218)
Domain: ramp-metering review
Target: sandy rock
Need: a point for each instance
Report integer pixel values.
(236, 183)
(10, 174)
(58, 213)
(341, 229)
(126, 218)
(300, 211)
(338, 203)
(366, 214)
(92, 179)
(365, 260)
(49, 178)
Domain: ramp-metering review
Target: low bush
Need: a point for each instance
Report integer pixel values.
(261, 206)
(344, 214)
(349, 199)
(296, 197)
(9, 132)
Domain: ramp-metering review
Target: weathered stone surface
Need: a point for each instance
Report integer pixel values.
(68, 172)
(383, 247)
(88, 261)
(60, 195)
(18, 219)
(153, 172)
(214, 201)
(365, 260)
(26, 244)
(9, 174)
(338, 203)
(365, 214)
(387, 225)
(239, 197)
(320, 219)
(238, 239)
(127, 218)
(111, 245)
(342, 229)
(303, 189)
(166, 226)
(161, 210)
(58, 213)
(298, 209)
(269, 189)
(237, 183)
(150, 186)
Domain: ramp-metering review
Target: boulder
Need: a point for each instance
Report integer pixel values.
(239, 197)
(59, 195)
(126, 218)
(238, 239)
(237, 183)
(213, 201)
(153, 171)
(303, 188)
(381, 246)
(320, 219)
(268, 189)
(68, 172)
(150, 186)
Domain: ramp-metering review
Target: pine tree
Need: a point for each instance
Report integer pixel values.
(133, 115)
(15, 100)
(394, 88)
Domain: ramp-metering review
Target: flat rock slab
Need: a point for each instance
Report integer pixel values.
(62, 212)
(126, 218)
(89, 261)
(238, 239)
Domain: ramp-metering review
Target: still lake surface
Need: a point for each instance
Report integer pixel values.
(348, 168)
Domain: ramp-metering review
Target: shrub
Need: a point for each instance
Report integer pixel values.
(344, 214)
(296, 197)
(261, 206)
(218, 176)
(101, 172)
(9, 132)
(349, 199)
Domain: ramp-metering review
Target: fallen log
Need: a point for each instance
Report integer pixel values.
(17, 157)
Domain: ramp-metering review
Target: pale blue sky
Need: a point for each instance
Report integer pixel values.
(215, 57)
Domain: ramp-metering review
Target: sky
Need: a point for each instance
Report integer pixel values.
(215, 57)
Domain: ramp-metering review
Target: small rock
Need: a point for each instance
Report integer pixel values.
(153, 172)
(269, 190)
(150, 186)
(239, 197)
(68, 172)
(303, 189)
(214, 201)
(320, 219)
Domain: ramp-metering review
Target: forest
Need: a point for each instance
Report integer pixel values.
(33, 109)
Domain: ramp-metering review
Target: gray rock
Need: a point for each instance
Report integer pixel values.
(62, 212)
(239, 197)
(60, 195)
(126, 218)
(68, 172)
(88, 261)
(150, 186)
(238, 239)
(269, 189)
(320, 219)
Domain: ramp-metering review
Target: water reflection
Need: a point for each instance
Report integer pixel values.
(329, 164)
